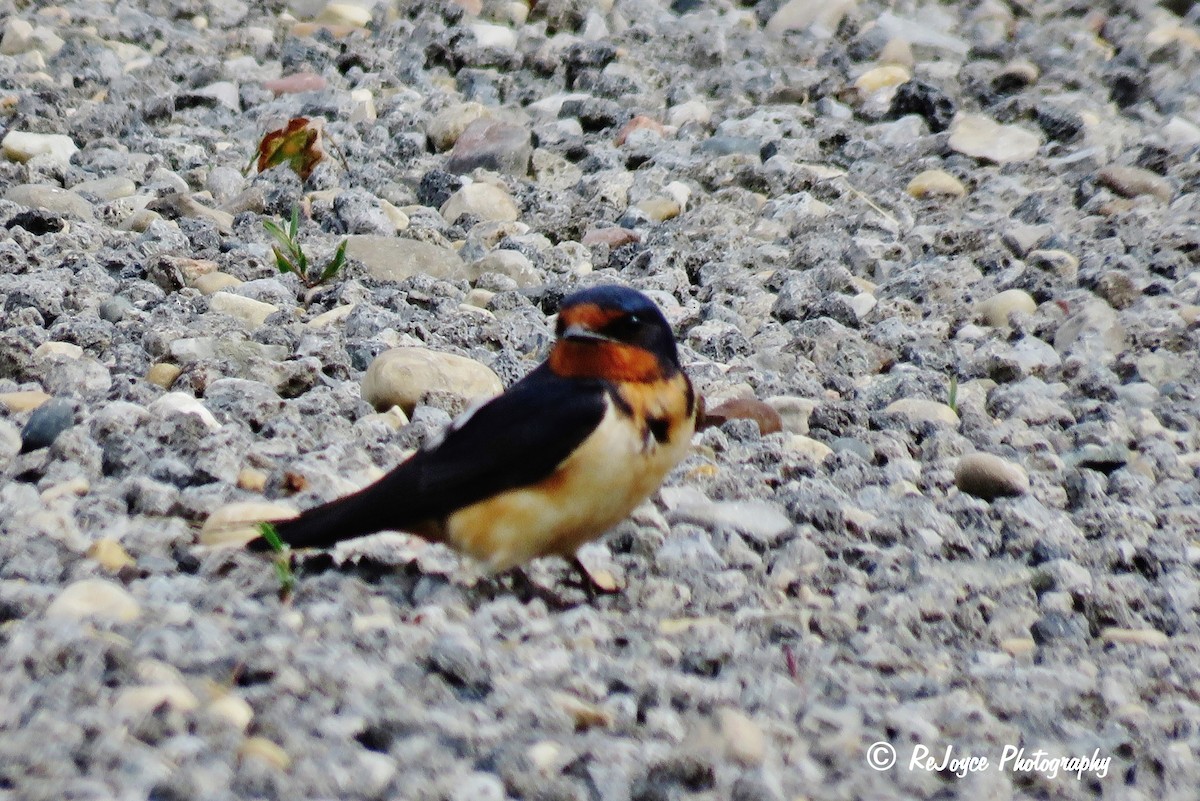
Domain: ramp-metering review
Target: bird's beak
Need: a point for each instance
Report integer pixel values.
(580, 334)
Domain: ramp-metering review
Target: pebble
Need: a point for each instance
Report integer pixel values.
(233, 710)
(931, 183)
(1134, 181)
(110, 555)
(996, 309)
(511, 263)
(252, 313)
(260, 749)
(402, 376)
(142, 700)
(876, 79)
(987, 476)
(51, 198)
(761, 521)
(660, 208)
(1152, 638)
(823, 16)
(95, 599)
(924, 411)
(793, 412)
(491, 145)
(393, 259)
(445, 127)
(46, 423)
(163, 374)
(499, 37)
(235, 524)
(764, 414)
(25, 400)
(640, 122)
(295, 83)
(807, 446)
(983, 138)
(107, 189)
(745, 741)
(214, 282)
(22, 146)
(483, 201)
(182, 403)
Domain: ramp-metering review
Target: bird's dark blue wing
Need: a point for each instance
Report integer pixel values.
(515, 439)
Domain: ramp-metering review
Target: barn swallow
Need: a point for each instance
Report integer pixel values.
(552, 463)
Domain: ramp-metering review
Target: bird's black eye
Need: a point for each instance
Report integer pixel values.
(624, 328)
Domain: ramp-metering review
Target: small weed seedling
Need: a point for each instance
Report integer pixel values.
(283, 560)
(290, 258)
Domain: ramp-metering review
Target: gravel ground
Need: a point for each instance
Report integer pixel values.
(953, 247)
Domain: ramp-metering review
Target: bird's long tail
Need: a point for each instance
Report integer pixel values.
(324, 526)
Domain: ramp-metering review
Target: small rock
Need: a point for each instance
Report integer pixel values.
(762, 521)
(613, 237)
(935, 182)
(252, 479)
(25, 400)
(922, 410)
(263, 750)
(822, 16)
(876, 79)
(639, 123)
(18, 37)
(491, 145)
(990, 477)
(1017, 646)
(996, 309)
(482, 200)
(233, 710)
(214, 282)
(807, 446)
(237, 523)
(765, 415)
(897, 51)
(1016, 75)
(391, 259)
(402, 376)
(51, 198)
(1152, 638)
(660, 208)
(22, 146)
(295, 83)
(251, 312)
(331, 317)
(136, 702)
(584, 715)
(511, 263)
(107, 189)
(95, 599)
(182, 403)
(983, 138)
(48, 420)
(109, 554)
(66, 350)
(689, 111)
(1134, 181)
(744, 739)
(497, 37)
(447, 125)
(793, 412)
(163, 374)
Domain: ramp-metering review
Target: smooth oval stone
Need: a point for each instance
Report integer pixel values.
(45, 424)
(402, 376)
(987, 476)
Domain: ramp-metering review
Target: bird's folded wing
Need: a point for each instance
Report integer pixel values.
(516, 439)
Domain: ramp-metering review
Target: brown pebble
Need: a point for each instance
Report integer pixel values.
(767, 418)
(637, 123)
(613, 237)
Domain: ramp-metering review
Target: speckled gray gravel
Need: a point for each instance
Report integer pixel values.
(954, 246)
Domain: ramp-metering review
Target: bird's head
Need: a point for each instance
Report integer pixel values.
(614, 333)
